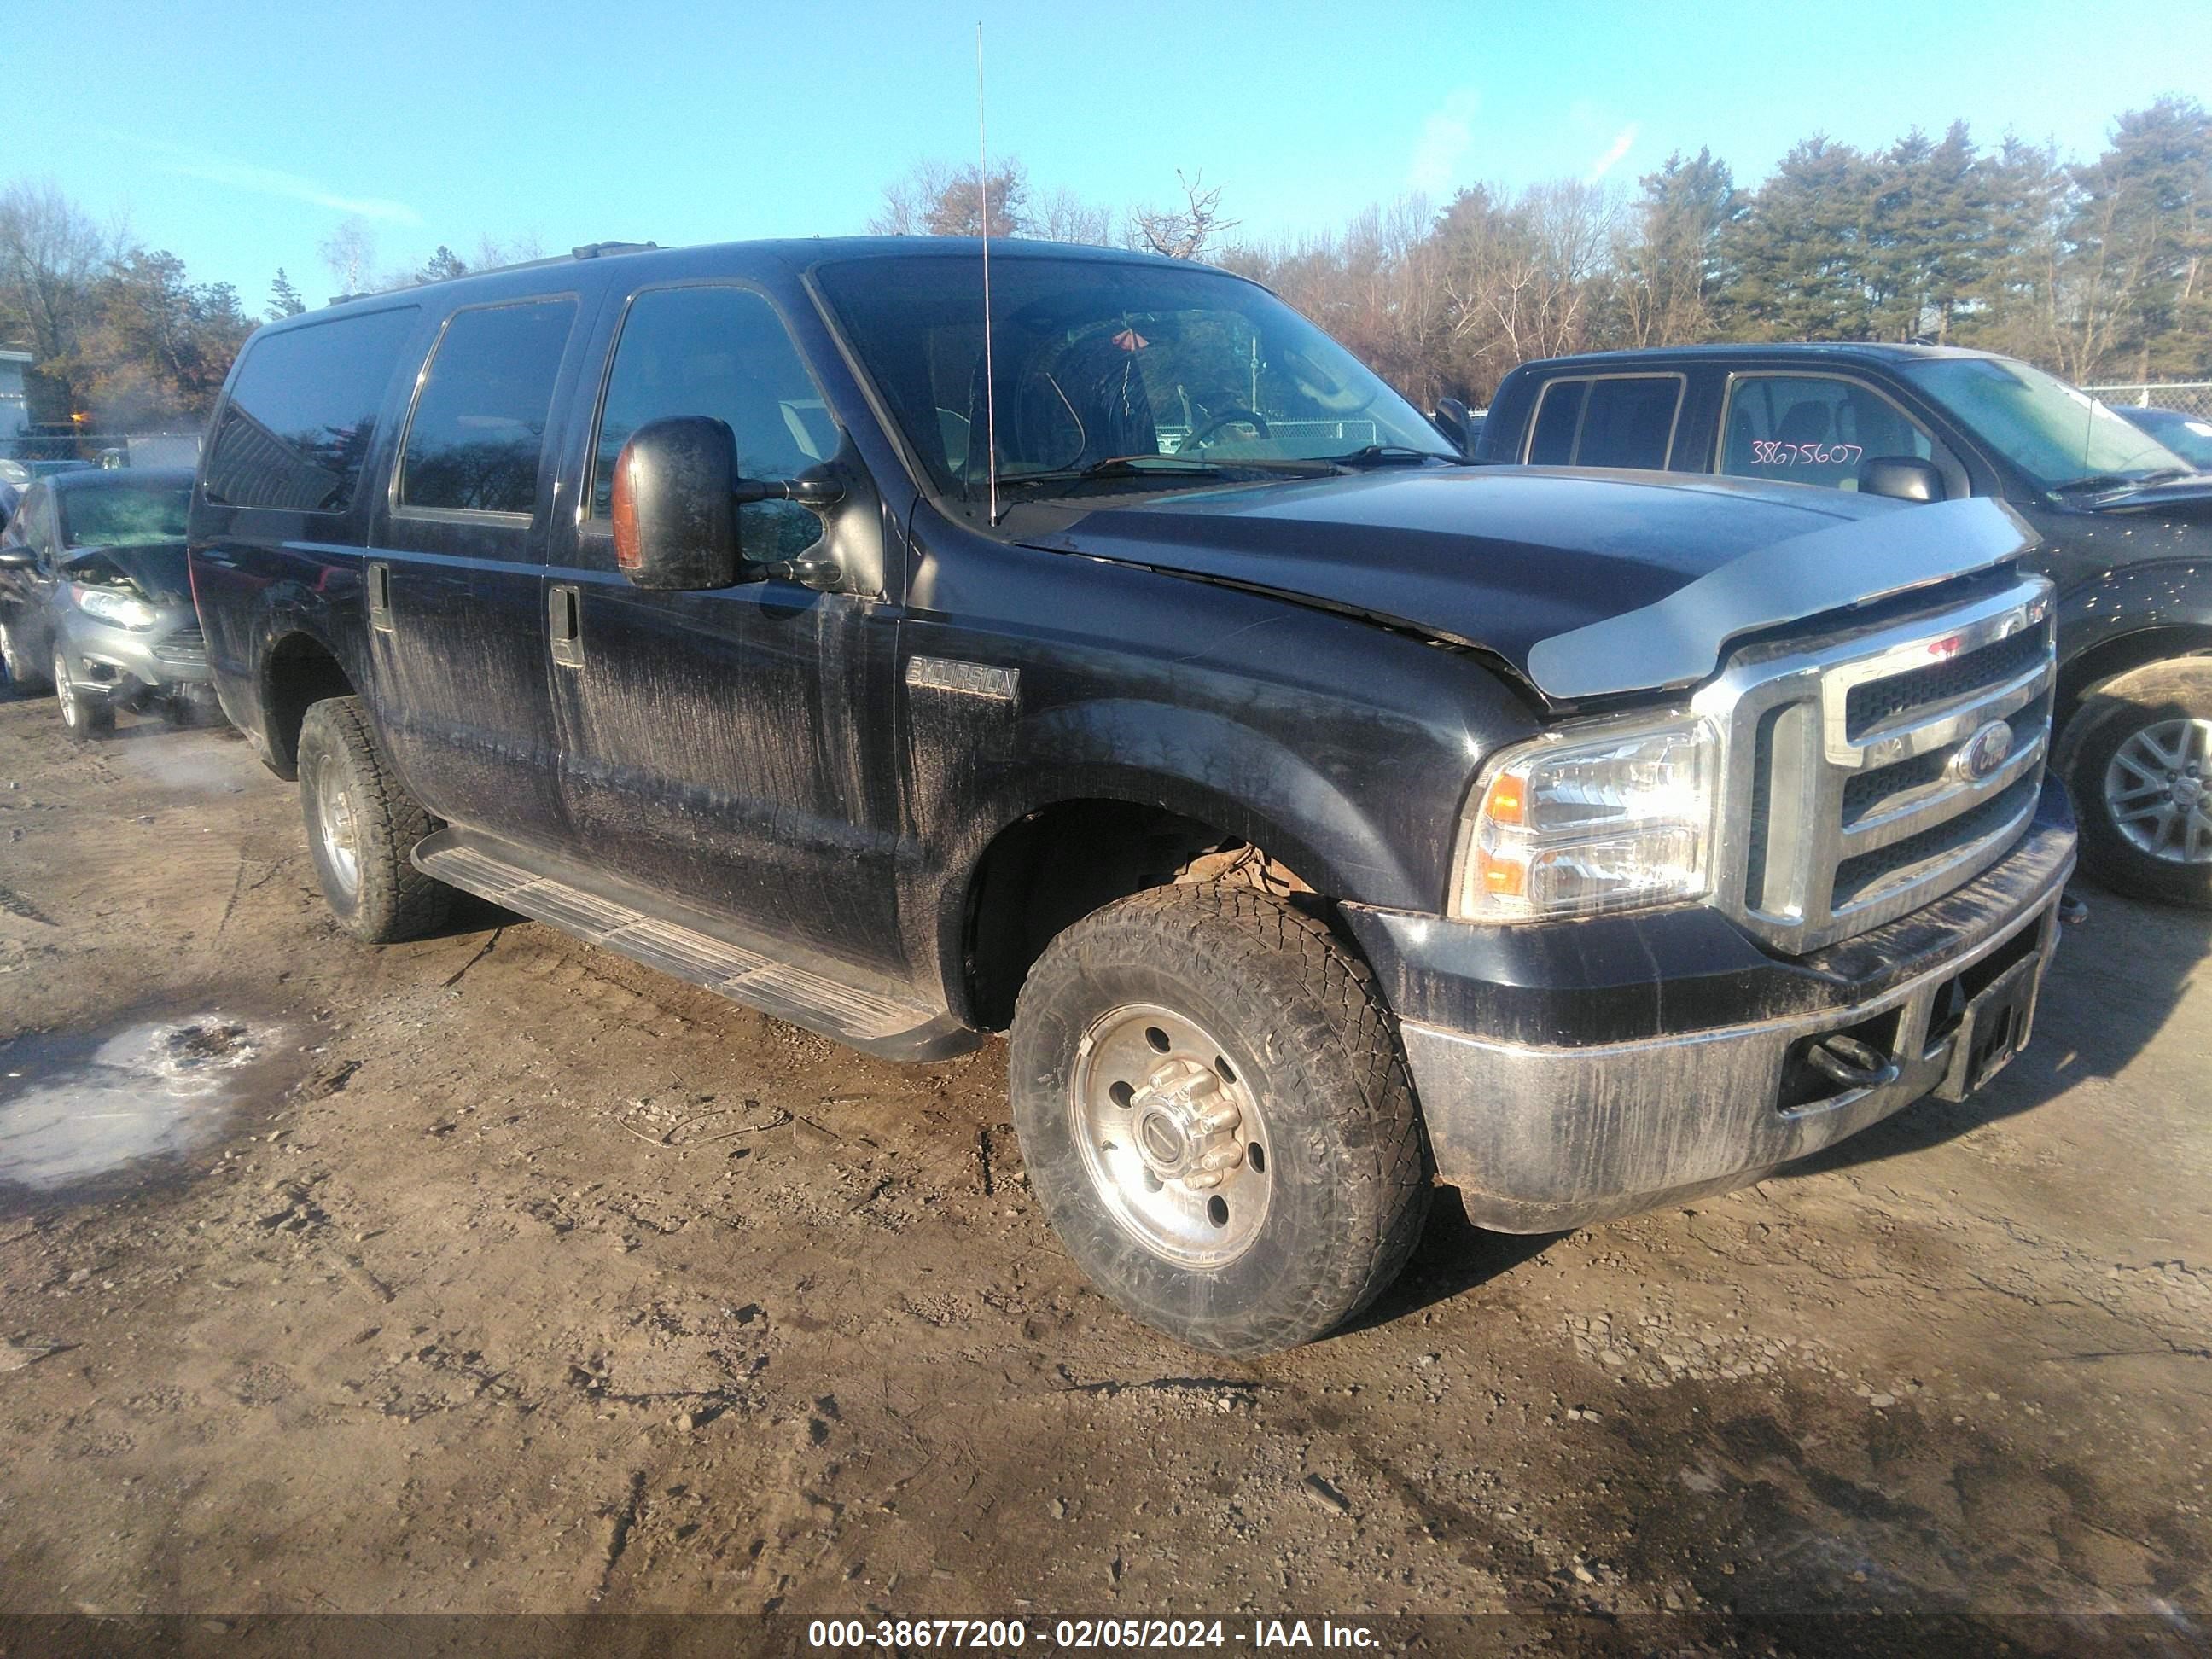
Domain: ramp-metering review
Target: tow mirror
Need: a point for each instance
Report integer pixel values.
(675, 506)
(676, 497)
(1901, 477)
(1455, 421)
(16, 557)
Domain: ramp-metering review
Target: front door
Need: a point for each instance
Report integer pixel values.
(26, 589)
(732, 749)
(454, 573)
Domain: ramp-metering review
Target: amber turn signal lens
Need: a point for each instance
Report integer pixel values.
(623, 514)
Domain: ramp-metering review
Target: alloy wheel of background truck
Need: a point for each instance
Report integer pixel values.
(85, 715)
(2137, 757)
(361, 827)
(1215, 1116)
(22, 673)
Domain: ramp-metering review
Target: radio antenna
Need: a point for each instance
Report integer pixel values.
(990, 374)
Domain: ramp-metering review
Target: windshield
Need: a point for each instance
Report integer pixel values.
(125, 515)
(1103, 361)
(2056, 435)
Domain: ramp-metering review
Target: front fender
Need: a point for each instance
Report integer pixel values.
(2128, 616)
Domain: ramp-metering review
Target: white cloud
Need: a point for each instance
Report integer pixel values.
(1623, 142)
(1446, 141)
(178, 160)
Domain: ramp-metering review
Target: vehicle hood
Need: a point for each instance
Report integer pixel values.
(2189, 498)
(158, 569)
(1586, 583)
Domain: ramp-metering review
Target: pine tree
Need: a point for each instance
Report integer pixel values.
(1803, 252)
(284, 300)
(442, 266)
(1671, 265)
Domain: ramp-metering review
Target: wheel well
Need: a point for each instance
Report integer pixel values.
(2121, 655)
(300, 671)
(1061, 862)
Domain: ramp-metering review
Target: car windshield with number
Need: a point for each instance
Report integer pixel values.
(1105, 368)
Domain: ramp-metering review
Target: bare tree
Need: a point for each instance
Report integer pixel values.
(1184, 232)
(348, 253)
(1066, 217)
(935, 199)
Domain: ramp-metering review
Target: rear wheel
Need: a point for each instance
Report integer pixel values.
(361, 825)
(22, 673)
(1216, 1119)
(86, 713)
(2137, 759)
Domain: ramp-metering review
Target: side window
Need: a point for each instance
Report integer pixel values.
(479, 429)
(1558, 413)
(1811, 429)
(1629, 420)
(721, 352)
(302, 411)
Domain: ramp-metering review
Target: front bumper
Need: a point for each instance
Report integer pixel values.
(1573, 1072)
(129, 663)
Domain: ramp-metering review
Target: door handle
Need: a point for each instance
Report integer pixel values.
(564, 606)
(379, 598)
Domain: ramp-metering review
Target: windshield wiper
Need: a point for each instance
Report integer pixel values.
(1157, 466)
(2099, 480)
(1389, 455)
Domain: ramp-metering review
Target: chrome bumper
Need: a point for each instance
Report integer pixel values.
(1539, 1137)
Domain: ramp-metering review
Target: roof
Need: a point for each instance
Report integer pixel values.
(800, 253)
(1854, 351)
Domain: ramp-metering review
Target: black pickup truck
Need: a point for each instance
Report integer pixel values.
(2126, 522)
(1322, 815)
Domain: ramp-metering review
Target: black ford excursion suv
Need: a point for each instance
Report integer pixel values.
(2126, 530)
(1322, 817)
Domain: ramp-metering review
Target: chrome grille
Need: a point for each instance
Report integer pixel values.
(1852, 797)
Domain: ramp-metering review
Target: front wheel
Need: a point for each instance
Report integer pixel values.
(361, 825)
(2137, 759)
(1216, 1118)
(86, 711)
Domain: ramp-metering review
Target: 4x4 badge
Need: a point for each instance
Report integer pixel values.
(1982, 754)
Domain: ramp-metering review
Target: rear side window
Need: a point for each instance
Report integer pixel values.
(479, 429)
(1552, 442)
(303, 412)
(1617, 419)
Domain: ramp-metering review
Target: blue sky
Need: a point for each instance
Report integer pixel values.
(238, 135)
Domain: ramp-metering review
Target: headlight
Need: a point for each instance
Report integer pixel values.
(1611, 818)
(110, 606)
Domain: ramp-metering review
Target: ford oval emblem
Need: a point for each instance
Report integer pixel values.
(1980, 756)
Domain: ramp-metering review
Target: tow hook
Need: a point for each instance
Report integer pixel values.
(1854, 1064)
(2071, 910)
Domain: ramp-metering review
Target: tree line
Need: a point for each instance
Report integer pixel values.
(2099, 270)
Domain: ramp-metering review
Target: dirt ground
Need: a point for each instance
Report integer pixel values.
(493, 1273)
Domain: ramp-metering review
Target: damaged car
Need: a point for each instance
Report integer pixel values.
(1118, 664)
(96, 599)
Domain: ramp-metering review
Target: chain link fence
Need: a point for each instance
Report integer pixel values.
(38, 453)
(2189, 397)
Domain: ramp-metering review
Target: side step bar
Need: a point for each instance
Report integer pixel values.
(869, 1017)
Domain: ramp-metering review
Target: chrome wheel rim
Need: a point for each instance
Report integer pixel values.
(65, 689)
(2158, 791)
(1171, 1136)
(337, 825)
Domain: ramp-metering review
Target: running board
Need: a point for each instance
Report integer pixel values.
(867, 1016)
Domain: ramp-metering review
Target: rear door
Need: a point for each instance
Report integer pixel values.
(729, 749)
(453, 568)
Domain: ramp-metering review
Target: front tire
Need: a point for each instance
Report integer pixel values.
(362, 824)
(2137, 759)
(86, 714)
(1216, 1118)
